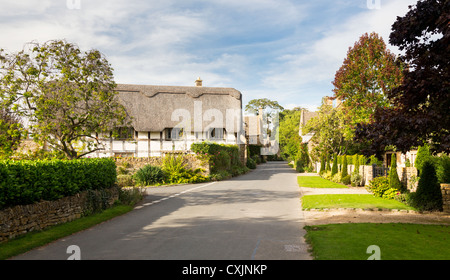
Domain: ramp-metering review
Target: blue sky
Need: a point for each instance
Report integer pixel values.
(288, 51)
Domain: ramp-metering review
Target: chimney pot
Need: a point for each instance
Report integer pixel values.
(199, 82)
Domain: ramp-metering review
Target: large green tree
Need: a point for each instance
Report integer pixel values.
(368, 73)
(67, 96)
(289, 133)
(329, 133)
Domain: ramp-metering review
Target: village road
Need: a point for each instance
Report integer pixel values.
(255, 216)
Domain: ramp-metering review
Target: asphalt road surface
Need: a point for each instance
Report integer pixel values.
(256, 216)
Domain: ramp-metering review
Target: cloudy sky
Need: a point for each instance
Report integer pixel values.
(284, 50)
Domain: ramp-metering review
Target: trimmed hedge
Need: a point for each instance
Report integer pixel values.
(26, 182)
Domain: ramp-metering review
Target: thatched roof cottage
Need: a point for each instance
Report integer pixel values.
(171, 118)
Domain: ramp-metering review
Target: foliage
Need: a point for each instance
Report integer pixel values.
(334, 168)
(367, 74)
(322, 164)
(26, 182)
(254, 105)
(289, 134)
(346, 180)
(302, 159)
(149, 175)
(329, 136)
(428, 196)
(394, 181)
(251, 163)
(355, 179)
(344, 167)
(175, 171)
(11, 132)
(423, 154)
(443, 169)
(378, 186)
(67, 96)
(422, 100)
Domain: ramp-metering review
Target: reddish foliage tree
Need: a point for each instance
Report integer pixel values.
(422, 102)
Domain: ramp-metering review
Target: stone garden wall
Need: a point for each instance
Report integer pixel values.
(21, 219)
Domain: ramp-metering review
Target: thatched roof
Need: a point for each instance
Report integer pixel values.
(152, 107)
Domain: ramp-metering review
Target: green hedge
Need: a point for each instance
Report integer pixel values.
(25, 181)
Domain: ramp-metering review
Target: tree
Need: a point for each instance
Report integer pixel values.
(11, 131)
(421, 102)
(328, 132)
(254, 105)
(423, 154)
(290, 139)
(394, 181)
(344, 167)
(368, 73)
(428, 196)
(334, 168)
(67, 96)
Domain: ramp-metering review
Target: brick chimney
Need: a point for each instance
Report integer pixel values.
(198, 82)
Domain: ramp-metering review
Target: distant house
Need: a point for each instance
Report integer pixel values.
(253, 126)
(171, 118)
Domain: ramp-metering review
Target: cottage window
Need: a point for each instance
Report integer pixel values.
(173, 133)
(216, 133)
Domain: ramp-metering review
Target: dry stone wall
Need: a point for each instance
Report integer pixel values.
(21, 219)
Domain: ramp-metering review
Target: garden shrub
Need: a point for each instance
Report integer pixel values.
(428, 196)
(346, 180)
(378, 186)
(355, 179)
(390, 193)
(251, 163)
(336, 178)
(125, 180)
(149, 175)
(334, 168)
(394, 181)
(175, 171)
(344, 167)
(25, 181)
(443, 169)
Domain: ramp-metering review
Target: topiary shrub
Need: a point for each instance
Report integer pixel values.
(334, 168)
(394, 181)
(428, 196)
(344, 172)
(149, 175)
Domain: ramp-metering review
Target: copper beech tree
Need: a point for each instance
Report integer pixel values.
(66, 96)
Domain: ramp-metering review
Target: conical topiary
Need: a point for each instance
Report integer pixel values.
(394, 181)
(344, 167)
(334, 168)
(428, 196)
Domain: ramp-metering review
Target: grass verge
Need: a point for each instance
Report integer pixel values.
(395, 241)
(359, 201)
(36, 239)
(317, 182)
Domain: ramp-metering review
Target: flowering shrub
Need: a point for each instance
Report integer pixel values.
(378, 186)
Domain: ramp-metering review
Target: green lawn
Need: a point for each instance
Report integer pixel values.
(32, 240)
(317, 182)
(360, 201)
(395, 241)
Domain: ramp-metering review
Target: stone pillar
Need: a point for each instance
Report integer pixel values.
(445, 188)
